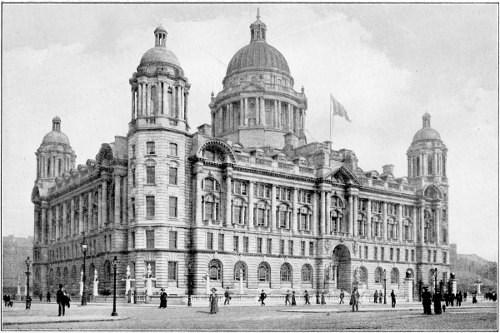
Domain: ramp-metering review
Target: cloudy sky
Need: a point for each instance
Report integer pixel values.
(387, 64)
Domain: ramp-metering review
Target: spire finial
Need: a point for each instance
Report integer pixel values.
(258, 13)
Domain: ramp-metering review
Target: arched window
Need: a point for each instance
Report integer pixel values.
(264, 272)
(239, 211)
(379, 275)
(240, 266)
(215, 270)
(394, 276)
(307, 273)
(336, 214)
(361, 275)
(213, 155)
(106, 281)
(286, 273)
(427, 226)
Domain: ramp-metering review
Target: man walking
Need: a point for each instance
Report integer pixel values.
(393, 299)
(380, 294)
(427, 301)
(227, 298)
(341, 296)
(287, 298)
(375, 297)
(48, 296)
(306, 296)
(262, 298)
(61, 300)
(355, 299)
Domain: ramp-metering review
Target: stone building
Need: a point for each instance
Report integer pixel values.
(246, 198)
(15, 251)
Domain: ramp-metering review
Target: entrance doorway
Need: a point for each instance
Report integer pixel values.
(341, 259)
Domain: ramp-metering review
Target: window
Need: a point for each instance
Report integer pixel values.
(311, 249)
(133, 176)
(210, 241)
(245, 244)
(391, 251)
(398, 257)
(264, 272)
(445, 257)
(150, 206)
(133, 151)
(172, 176)
(221, 242)
(269, 246)
(132, 201)
(302, 248)
(150, 174)
(394, 276)
(150, 148)
(259, 245)
(304, 219)
(150, 239)
(282, 246)
(375, 253)
(260, 216)
(379, 275)
(406, 254)
(429, 255)
(172, 270)
(210, 208)
(172, 206)
(382, 253)
(307, 273)
(262, 191)
(366, 252)
(211, 184)
(215, 270)
(236, 243)
(240, 268)
(240, 188)
(285, 273)
(172, 239)
(172, 149)
(435, 256)
(412, 255)
(290, 247)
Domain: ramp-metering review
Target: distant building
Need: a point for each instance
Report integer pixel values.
(15, 251)
(453, 258)
(243, 198)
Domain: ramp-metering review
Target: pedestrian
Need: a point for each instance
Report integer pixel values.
(474, 299)
(317, 296)
(427, 301)
(48, 296)
(355, 299)
(227, 298)
(459, 298)
(437, 302)
(5, 300)
(447, 298)
(214, 299)
(375, 296)
(28, 302)
(393, 299)
(306, 297)
(287, 298)
(293, 298)
(444, 308)
(40, 296)
(341, 296)
(323, 298)
(163, 299)
(61, 300)
(263, 296)
(465, 296)
(380, 296)
(452, 299)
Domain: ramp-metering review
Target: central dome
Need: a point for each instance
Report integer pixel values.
(426, 132)
(159, 55)
(55, 136)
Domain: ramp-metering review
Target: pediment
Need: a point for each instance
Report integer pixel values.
(253, 86)
(343, 175)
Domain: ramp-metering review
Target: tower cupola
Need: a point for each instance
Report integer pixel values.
(258, 30)
(160, 36)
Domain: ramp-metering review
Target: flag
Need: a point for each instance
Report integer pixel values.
(338, 109)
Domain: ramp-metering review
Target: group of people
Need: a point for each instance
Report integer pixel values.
(7, 300)
(451, 299)
(290, 298)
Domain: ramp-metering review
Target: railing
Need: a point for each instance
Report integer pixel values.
(306, 169)
(377, 182)
(243, 158)
(285, 166)
(408, 188)
(263, 161)
(394, 186)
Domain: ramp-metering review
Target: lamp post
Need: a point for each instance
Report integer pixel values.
(84, 249)
(28, 298)
(435, 280)
(385, 288)
(115, 265)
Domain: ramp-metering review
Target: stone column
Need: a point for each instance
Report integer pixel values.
(400, 222)
(177, 101)
(273, 208)
(99, 207)
(198, 178)
(229, 174)
(275, 114)
(90, 224)
(414, 225)
(124, 203)
(139, 99)
(117, 199)
(351, 215)
(262, 111)
(322, 221)
(181, 102)
(422, 230)
(250, 205)
(147, 103)
(64, 232)
(290, 117)
(36, 215)
(72, 216)
(384, 220)
(328, 219)
(246, 112)
(44, 222)
(186, 99)
(132, 102)
(80, 216)
(104, 201)
(58, 214)
(354, 230)
(314, 223)
(368, 219)
(409, 289)
(50, 234)
(295, 200)
(438, 224)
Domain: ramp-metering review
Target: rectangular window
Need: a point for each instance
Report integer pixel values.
(282, 246)
(172, 206)
(172, 176)
(311, 249)
(391, 254)
(172, 239)
(150, 148)
(269, 246)
(172, 271)
(172, 149)
(375, 253)
(150, 239)
(132, 201)
(366, 252)
(435, 256)
(398, 257)
(382, 253)
(445, 258)
(412, 255)
(150, 206)
(210, 241)
(132, 236)
(303, 248)
(150, 174)
(429, 255)
(245, 244)
(259, 245)
(133, 151)
(133, 176)
(236, 243)
(221, 242)
(290, 247)
(406, 255)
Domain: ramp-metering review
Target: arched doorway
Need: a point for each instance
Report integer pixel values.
(341, 262)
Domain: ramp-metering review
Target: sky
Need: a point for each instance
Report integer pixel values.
(387, 64)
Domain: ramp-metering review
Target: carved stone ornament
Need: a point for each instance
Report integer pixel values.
(328, 245)
(355, 247)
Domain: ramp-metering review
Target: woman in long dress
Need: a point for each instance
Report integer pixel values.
(163, 299)
(214, 306)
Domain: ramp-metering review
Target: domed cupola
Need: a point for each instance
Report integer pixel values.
(258, 104)
(427, 154)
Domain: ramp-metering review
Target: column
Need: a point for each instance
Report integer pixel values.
(132, 102)
(421, 208)
(117, 199)
(354, 230)
(181, 111)
(186, 99)
(314, 223)
(322, 204)
(384, 220)
(242, 113)
(414, 225)
(262, 111)
(289, 117)
(139, 99)
(198, 176)
(99, 207)
(104, 201)
(72, 216)
(250, 204)
(438, 224)
(58, 214)
(36, 215)
(64, 232)
(50, 235)
(368, 219)
(351, 214)
(124, 202)
(422, 162)
(168, 102)
(400, 222)
(232, 125)
(80, 216)
(44, 223)
(328, 219)
(246, 112)
(90, 223)
(273, 208)
(177, 101)
(295, 199)
(229, 172)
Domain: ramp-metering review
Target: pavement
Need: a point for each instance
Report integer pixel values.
(94, 311)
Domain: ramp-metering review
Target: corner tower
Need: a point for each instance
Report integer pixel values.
(258, 105)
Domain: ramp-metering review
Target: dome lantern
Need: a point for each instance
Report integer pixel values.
(258, 30)
(160, 36)
(56, 124)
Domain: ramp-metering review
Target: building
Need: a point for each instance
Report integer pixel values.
(243, 198)
(15, 251)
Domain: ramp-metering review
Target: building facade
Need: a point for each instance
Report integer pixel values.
(243, 199)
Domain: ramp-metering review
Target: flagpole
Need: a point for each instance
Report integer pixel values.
(331, 118)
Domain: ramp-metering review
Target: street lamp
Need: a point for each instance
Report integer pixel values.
(435, 280)
(84, 249)
(385, 288)
(115, 265)
(28, 298)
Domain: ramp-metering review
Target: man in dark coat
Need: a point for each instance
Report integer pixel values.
(355, 299)
(341, 296)
(293, 298)
(227, 298)
(61, 300)
(262, 298)
(427, 301)
(380, 294)
(459, 298)
(48, 296)
(375, 297)
(306, 297)
(323, 298)
(437, 302)
(287, 297)
(452, 299)
(393, 299)
(317, 296)
(465, 296)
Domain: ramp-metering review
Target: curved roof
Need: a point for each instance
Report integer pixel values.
(55, 137)
(159, 55)
(426, 133)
